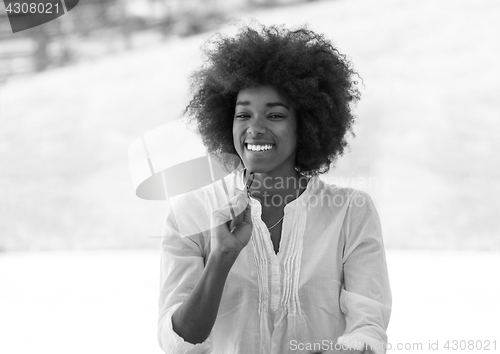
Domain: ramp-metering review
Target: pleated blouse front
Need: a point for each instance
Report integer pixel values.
(327, 284)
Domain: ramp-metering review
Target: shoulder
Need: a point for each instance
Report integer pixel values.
(338, 196)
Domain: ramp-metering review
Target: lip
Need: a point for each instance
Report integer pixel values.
(259, 142)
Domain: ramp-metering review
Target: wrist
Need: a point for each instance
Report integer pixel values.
(222, 258)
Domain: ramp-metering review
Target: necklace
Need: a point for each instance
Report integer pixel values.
(248, 183)
(269, 228)
(281, 219)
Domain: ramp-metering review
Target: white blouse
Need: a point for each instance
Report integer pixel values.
(327, 284)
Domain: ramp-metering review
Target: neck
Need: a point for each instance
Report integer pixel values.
(277, 191)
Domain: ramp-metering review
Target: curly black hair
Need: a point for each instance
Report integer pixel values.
(301, 65)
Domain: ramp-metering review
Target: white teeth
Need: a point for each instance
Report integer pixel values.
(253, 147)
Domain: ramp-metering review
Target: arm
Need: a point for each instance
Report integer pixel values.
(366, 297)
(182, 264)
(192, 291)
(195, 318)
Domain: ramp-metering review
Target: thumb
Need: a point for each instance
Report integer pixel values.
(247, 217)
(238, 204)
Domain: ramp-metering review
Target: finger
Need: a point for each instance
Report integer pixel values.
(239, 218)
(238, 203)
(247, 217)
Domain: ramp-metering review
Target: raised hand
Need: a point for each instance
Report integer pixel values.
(230, 236)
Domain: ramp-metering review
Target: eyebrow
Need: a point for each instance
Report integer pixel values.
(269, 104)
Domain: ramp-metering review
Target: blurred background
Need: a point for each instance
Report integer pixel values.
(79, 263)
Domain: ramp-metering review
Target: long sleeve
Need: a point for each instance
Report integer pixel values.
(366, 297)
(182, 263)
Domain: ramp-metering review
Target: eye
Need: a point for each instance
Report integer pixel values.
(241, 115)
(277, 116)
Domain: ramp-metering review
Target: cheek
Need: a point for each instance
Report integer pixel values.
(235, 131)
(292, 139)
(293, 133)
(236, 138)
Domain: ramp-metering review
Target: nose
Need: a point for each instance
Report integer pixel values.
(256, 126)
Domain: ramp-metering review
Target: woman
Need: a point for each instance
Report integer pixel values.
(302, 268)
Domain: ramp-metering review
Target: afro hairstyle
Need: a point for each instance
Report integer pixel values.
(301, 65)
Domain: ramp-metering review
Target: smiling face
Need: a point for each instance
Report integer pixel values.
(265, 131)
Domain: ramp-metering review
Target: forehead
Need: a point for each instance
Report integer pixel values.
(258, 94)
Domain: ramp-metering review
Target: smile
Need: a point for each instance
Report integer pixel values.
(259, 148)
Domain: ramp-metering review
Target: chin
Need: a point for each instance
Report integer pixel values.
(257, 168)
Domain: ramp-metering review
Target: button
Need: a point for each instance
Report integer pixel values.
(276, 291)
